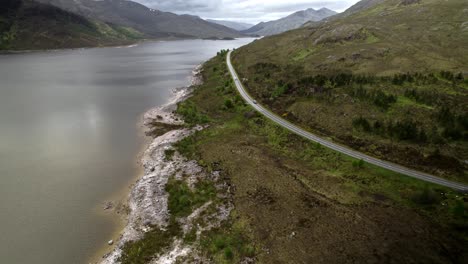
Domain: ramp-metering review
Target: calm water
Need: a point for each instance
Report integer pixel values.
(68, 139)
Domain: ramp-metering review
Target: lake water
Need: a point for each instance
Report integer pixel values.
(69, 139)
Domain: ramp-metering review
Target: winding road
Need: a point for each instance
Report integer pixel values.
(347, 151)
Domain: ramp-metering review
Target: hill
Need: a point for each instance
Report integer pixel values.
(151, 22)
(358, 7)
(231, 24)
(292, 21)
(30, 25)
(388, 80)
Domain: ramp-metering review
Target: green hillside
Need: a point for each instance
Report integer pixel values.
(390, 80)
(31, 25)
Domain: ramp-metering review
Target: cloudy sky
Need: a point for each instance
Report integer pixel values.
(250, 11)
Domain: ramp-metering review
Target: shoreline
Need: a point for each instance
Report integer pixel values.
(117, 46)
(143, 212)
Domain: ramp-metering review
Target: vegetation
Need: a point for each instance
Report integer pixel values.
(375, 81)
(227, 245)
(190, 113)
(274, 172)
(168, 154)
(182, 199)
(154, 242)
(28, 24)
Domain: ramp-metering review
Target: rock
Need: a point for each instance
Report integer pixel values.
(108, 206)
(293, 234)
(110, 242)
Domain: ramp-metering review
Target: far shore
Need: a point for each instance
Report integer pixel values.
(116, 45)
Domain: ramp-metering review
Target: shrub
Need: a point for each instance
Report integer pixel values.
(359, 164)
(168, 154)
(426, 197)
(362, 123)
(190, 113)
(182, 200)
(228, 104)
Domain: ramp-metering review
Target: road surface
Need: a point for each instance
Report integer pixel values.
(347, 151)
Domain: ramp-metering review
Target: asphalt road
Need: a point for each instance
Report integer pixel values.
(352, 153)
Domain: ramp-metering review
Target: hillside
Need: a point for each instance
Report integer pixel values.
(151, 22)
(389, 80)
(292, 21)
(358, 7)
(31, 25)
(231, 24)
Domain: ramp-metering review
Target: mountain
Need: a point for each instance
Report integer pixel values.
(231, 24)
(292, 21)
(30, 25)
(358, 7)
(153, 23)
(389, 78)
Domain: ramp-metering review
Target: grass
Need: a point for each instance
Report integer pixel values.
(228, 244)
(303, 54)
(384, 41)
(153, 242)
(183, 200)
(274, 172)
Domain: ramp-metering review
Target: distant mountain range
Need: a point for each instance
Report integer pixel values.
(290, 22)
(50, 24)
(232, 24)
(151, 22)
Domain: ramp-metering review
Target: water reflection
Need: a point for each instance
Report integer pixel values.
(68, 139)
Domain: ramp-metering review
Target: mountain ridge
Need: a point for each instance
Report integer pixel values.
(152, 22)
(289, 22)
(30, 25)
(239, 26)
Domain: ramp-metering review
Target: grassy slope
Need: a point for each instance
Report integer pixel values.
(296, 202)
(40, 26)
(388, 39)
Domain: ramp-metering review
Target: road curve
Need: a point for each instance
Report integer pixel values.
(347, 151)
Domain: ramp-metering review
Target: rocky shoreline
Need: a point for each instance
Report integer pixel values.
(148, 199)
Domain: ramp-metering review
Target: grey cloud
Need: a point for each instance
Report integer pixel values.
(243, 10)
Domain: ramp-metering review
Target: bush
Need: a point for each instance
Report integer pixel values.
(427, 197)
(223, 53)
(190, 113)
(228, 104)
(362, 123)
(153, 242)
(168, 154)
(182, 200)
(359, 164)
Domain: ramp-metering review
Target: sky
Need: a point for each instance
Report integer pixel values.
(248, 11)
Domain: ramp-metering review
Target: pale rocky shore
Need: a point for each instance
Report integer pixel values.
(147, 202)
